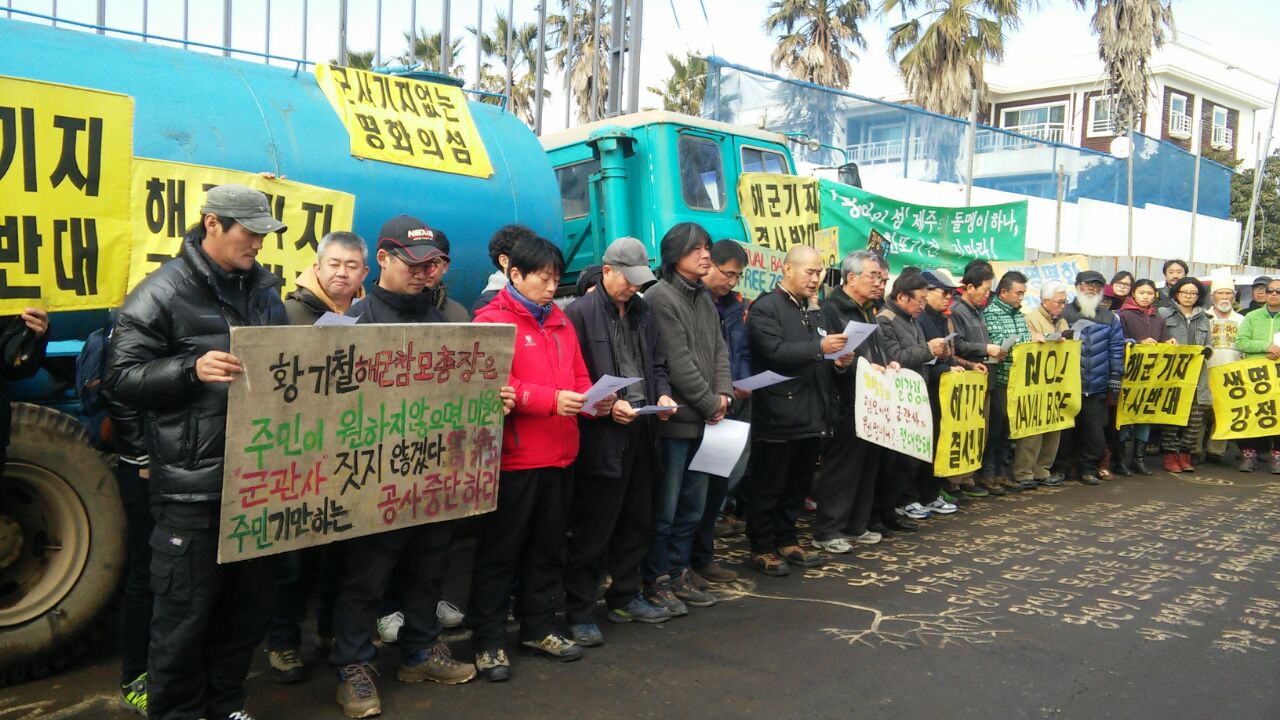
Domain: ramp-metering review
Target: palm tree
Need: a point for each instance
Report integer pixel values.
(941, 52)
(818, 37)
(684, 90)
(1128, 31)
(580, 50)
(524, 58)
(360, 60)
(424, 49)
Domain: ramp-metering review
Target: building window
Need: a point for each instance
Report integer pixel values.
(1222, 135)
(760, 160)
(1179, 116)
(701, 173)
(1102, 121)
(574, 184)
(1042, 122)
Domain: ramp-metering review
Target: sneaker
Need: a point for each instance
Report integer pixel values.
(770, 564)
(1248, 461)
(659, 594)
(1275, 463)
(1054, 480)
(284, 666)
(992, 489)
(448, 614)
(689, 594)
(134, 695)
(357, 694)
(493, 665)
(1088, 479)
(974, 491)
(837, 546)
(554, 646)
(389, 627)
(810, 505)
(437, 665)
(941, 506)
(240, 715)
(1028, 484)
(915, 511)
(951, 495)
(586, 634)
(868, 537)
(716, 573)
(638, 610)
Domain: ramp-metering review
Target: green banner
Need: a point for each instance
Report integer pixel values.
(923, 236)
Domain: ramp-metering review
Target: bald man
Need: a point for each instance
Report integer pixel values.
(789, 420)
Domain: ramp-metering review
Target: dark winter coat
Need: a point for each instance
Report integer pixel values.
(1140, 324)
(903, 339)
(1192, 331)
(595, 319)
(1101, 349)
(837, 310)
(176, 314)
(971, 339)
(785, 339)
(384, 306)
(733, 326)
(699, 361)
(21, 353)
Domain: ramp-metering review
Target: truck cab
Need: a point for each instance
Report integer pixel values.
(639, 174)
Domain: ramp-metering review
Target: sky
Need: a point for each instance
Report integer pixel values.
(732, 29)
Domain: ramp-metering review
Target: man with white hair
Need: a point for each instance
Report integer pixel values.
(1224, 324)
(1033, 456)
(1101, 368)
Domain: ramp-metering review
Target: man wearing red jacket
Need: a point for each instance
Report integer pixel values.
(525, 536)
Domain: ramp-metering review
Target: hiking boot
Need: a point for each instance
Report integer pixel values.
(493, 665)
(795, 555)
(990, 488)
(685, 590)
(1184, 459)
(699, 582)
(357, 694)
(716, 573)
(835, 546)
(1088, 479)
(448, 614)
(389, 627)
(974, 491)
(729, 527)
(586, 634)
(134, 695)
(1054, 480)
(1248, 461)
(639, 610)
(770, 564)
(437, 665)
(285, 667)
(1172, 462)
(554, 646)
(659, 594)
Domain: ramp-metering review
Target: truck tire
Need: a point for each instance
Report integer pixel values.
(62, 544)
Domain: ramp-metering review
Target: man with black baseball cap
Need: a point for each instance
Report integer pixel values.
(407, 255)
(1260, 284)
(168, 359)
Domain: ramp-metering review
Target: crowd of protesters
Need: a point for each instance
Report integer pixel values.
(595, 503)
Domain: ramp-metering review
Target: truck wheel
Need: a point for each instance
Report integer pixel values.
(62, 543)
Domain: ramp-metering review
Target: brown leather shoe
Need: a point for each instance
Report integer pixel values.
(716, 573)
(795, 555)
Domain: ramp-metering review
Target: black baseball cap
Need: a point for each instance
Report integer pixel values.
(409, 239)
(1090, 277)
(1261, 280)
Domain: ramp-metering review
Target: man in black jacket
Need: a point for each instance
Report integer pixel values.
(611, 514)
(168, 359)
(23, 340)
(790, 419)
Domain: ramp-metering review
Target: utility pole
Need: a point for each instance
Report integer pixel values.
(971, 142)
(1257, 173)
(633, 84)
(617, 46)
(446, 41)
(542, 67)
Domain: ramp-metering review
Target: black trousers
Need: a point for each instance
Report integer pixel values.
(369, 562)
(610, 519)
(523, 538)
(296, 574)
(995, 461)
(1085, 443)
(136, 600)
(846, 485)
(206, 620)
(781, 478)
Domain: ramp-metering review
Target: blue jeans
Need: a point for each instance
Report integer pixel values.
(1140, 432)
(679, 497)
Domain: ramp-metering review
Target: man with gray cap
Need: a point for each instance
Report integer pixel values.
(611, 513)
(169, 360)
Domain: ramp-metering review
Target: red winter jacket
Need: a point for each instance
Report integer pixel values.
(547, 359)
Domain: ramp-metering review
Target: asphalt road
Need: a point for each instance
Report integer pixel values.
(1140, 598)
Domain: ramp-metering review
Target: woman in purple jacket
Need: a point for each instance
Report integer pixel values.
(1143, 325)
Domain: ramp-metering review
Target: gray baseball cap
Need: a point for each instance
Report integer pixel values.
(245, 205)
(628, 255)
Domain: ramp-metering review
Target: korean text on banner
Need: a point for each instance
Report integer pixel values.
(359, 429)
(763, 271)
(892, 410)
(405, 121)
(778, 210)
(1044, 387)
(166, 201)
(64, 219)
(922, 235)
(1245, 395)
(962, 429)
(1063, 268)
(1159, 385)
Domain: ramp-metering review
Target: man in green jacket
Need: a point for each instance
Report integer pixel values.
(1005, 322)
(1259, 336)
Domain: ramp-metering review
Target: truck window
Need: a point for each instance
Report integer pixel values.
(572, 179)
(701, 173)
(759, 160)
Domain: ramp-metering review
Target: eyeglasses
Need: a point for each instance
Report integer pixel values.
(423, 268)
(731, 275)
(1188, 293)
(1273, 291)
(1122, 283)
(876, 278)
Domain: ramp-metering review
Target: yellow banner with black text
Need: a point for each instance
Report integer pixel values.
(1044, 387)
(1245, 396)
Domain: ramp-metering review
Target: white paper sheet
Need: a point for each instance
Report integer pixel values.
(333, 318)
(856, 333)
(722, 446)
(761, 380)
(604, 387)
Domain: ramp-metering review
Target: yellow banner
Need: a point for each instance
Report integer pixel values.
(405, 121)
(1044, 387)
(779, 210)
(64, 196)
(1159, 384)
(962, 434)
(166, 201)
(827, 241)
(1245, 394)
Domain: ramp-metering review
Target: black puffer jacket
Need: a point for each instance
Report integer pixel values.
(785, 339)
(21, 353)
(177, 314)
(384, 306)
(837, 310)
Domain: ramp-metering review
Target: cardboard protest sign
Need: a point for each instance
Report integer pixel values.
(64, 181)
(405, 121)
(342, 431)
(1159, 385)
(166, 201)
(762, 272)
(1245, 395)
(778, 210)
(962, 429)
(891, 409)
(1044, 387)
